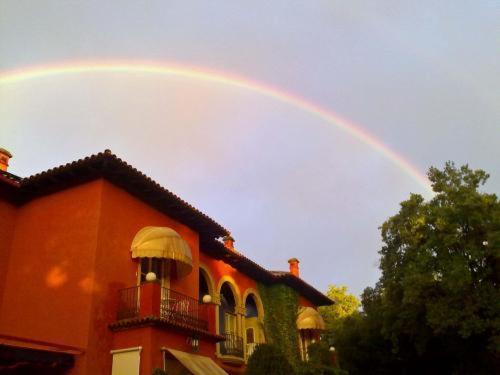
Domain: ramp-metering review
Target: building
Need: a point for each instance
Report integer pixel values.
(103, 271)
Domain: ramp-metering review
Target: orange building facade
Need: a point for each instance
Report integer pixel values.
(103, 271)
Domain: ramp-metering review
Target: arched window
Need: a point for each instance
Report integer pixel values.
(203, 288)
(206, 287)
(254, 332)
(251, 307)
(228, 323)
(227, 316)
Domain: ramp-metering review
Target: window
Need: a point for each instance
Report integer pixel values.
(250, 336)
(126, 361)
(229, 322)
(151, 265)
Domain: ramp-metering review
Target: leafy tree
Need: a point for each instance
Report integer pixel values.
(345, 305)
(320, 361)
(359, 343)
(436, 306)
(335, 316)
(268, 359)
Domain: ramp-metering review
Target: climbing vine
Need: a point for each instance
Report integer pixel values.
(280, 305)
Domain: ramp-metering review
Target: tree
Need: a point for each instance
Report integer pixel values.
(440, 275)
(436, 307)
(268, 359)
(345, 305)
(320, 361)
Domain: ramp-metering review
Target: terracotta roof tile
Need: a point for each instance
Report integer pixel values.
(110, 167)
(217, 250)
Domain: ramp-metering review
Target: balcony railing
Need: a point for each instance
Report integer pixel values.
(233, 345)
(128, 303)
(169, 306)
(178, 308)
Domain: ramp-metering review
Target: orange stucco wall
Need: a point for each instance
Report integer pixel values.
(122, 216)
(8, 213)
(70, 254)
(52, 253)
(305, 302)
(65, 256)
(218, 269)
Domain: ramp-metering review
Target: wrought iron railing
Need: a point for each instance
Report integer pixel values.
(233, 345)
(128, 303)
(172, 307)
(180, 309)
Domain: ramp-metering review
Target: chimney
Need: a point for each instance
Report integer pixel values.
(229, 242)
(294, 266)
(4, 159)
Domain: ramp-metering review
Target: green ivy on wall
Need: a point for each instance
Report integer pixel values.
(281, 304)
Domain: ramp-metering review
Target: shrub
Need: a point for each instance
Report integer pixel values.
(320, 361)
(268, 359)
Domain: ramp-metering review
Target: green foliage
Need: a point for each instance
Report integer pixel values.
(268, 359)
(320, 361)
(436, 307)
(345, 305)
(281, 307)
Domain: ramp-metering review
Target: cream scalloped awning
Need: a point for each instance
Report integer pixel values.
(165, 243)
(309, 318)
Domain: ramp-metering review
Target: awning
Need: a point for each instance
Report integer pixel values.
(309, 318)
(165, 243)
(33, 361)
(197, 364)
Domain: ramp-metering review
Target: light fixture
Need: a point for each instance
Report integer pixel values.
(194, 341)
(150, 276)
(207, 298)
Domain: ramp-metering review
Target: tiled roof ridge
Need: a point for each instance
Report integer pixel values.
(10, 178)
(107, 157)
(252, 269)
(215, 247)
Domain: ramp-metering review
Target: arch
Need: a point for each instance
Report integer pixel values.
(258, 302)
(253, 321)
(206, 274)
(229, 319)
(234, 287)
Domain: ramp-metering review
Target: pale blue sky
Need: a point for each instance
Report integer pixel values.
(422, 76)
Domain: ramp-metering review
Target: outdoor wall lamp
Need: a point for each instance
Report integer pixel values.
(194, 341)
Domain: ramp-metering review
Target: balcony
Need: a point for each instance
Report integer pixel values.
(181, 309)
(232, 346)
(150, 304)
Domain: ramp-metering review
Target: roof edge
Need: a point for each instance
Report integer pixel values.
(118, 172)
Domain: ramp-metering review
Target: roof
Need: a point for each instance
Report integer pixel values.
(248, 267)
(110, 167)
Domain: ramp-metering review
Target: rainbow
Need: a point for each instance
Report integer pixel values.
(196, 73)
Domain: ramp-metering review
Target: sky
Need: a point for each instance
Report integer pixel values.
(421, 79)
